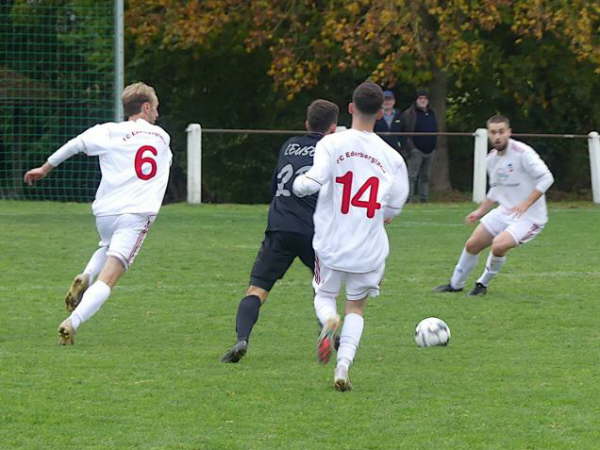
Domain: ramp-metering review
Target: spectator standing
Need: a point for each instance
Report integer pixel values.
(390, 122)
(419, 118)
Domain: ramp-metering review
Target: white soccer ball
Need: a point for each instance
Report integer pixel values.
(432, 331)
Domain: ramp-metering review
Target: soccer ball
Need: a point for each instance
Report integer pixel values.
(432, 331)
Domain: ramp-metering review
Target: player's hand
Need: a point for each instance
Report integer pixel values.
(473, 216)
(520, 209)
(388, 221)
(34, 175)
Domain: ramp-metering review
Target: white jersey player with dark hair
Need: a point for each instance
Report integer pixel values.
(518, 179)
(135, 160)
(362, 184)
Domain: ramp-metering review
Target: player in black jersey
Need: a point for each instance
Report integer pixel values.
(290, 227)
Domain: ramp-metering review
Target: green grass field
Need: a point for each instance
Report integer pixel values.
(521, 370)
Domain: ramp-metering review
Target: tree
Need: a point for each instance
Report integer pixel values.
(438, 43)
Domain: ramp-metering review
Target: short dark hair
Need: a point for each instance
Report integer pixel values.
(321, 114)
(368, 98)
(498, 118)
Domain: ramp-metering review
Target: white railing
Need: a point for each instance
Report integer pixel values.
(194, 152)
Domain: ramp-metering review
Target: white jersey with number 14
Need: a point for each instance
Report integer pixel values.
(135, 160)
(362, 181)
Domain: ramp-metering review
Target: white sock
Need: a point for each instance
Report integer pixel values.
(492, 267)
(92, 300)
(350, 338)
(96, 263)
(325, 307)
(463, 268)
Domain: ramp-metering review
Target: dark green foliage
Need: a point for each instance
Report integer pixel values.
(56, 78)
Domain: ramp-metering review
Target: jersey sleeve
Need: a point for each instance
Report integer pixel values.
(537, 169)
(321, 170)
(318, 175)
(398, 192)
(69, 149)
(95, 139)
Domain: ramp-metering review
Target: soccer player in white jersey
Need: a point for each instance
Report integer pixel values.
(135, 160)
(518, 179)
(362, 184)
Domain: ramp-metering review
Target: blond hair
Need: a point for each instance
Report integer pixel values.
(135, 95)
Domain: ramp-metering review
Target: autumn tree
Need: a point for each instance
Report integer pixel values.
(434, 43)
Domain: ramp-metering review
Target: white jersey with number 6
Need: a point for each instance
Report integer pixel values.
(135, 160)
(362, 180)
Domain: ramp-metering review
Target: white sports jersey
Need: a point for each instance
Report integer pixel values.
(514, 175)
(135, 160)
(362, 180)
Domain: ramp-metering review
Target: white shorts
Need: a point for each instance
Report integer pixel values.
(123, 235)
(358, 285)
(521, 229)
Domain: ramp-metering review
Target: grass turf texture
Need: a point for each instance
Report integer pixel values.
(521, 370)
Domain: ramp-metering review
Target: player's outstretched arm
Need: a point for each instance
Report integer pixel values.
(33, 175)
(304, 186)
(69, 149)
(484, 207)
(317, 175)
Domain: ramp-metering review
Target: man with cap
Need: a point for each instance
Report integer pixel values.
(390, 122)
(420, 118)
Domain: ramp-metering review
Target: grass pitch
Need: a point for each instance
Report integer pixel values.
(521, 370)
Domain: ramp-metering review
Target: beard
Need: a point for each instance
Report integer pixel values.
(500, 146)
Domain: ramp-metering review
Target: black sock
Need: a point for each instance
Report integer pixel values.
(247, 316)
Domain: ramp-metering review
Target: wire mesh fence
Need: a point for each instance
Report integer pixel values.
(56, 80)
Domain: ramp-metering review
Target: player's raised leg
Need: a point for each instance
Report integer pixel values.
(330, 322)
(125, 235)
(479, 239)
(496, 259)
(82, 281)
(326, 283)
(93, 298)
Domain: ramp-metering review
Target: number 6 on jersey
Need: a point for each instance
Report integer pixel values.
(140, 160)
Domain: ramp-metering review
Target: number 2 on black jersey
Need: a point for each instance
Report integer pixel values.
(284, 176)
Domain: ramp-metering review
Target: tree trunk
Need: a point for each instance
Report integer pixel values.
(440, 174)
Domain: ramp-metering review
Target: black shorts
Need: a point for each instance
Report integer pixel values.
(276, 254)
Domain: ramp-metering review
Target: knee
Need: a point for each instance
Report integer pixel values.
(473, 247)
(261, 293)
(355, 307)
(500, 247)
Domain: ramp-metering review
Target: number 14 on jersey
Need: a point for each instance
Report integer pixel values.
(371, 185)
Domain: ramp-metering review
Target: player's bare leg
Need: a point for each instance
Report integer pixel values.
(480, 239)
(93, 298)
(349, 341)
(246, 317)
(496, 259)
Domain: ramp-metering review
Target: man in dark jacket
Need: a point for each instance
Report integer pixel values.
(420, 118)
(390, 122)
